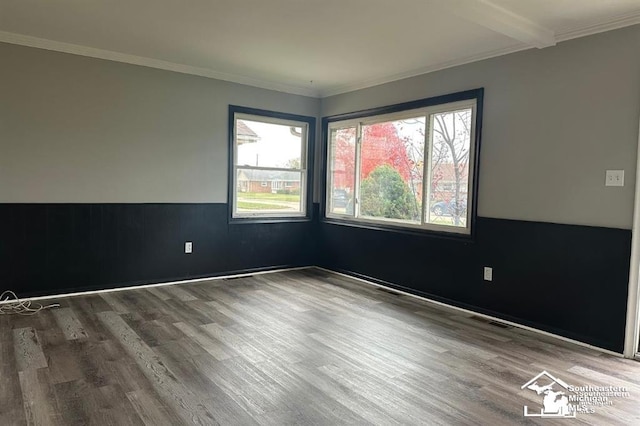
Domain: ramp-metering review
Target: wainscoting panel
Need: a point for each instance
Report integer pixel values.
(566, 279)
(54, 248)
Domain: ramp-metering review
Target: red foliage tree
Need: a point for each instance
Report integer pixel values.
(381, 145)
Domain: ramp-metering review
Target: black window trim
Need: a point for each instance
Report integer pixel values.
(308, 187)
(474, 94)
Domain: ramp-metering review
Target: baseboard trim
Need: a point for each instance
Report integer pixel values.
(236, 274)
(378, 283)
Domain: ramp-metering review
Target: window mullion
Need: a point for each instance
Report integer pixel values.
(358, 167)
(234, 182)
(303, 184)
(329, 169)
(426, 170)
(305, 148)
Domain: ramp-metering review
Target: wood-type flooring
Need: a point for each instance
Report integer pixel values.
(303, 347)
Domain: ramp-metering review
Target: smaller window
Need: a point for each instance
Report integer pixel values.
(270, 151)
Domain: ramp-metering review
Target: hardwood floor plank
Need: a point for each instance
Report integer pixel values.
(40, 406)
(305, 402)
(240, 344)
(214, 398)
(76, 401)
(154, 332)
(240, 385)
(378, 391)
(69, 324)
(159, 292)
(363, 407)
(11, 402)
(85, 308)
(28, 351)
(210, 344)
(115, 302)
(188, 406)
(62, 357)
(179, 293)
(113, 408)
(151, 410)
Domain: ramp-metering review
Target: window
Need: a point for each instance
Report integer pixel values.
(269, 172)
(406, 166)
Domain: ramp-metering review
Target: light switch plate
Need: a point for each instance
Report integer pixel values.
(188, 247)
(614, 178)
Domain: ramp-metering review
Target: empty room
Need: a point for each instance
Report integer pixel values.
(281, 212)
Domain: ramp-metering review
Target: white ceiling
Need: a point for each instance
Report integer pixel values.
(310, 47)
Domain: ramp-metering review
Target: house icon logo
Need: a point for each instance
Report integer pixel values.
(555, 400)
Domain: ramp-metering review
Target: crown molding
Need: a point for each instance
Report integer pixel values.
(76, 49)
(337, 90)
(600, 26)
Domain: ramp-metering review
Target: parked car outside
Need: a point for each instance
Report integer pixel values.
(339, 198)
(449, 208)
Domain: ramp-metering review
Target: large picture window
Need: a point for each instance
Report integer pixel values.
(409, 166)
(269, 164)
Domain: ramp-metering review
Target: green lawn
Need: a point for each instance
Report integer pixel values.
(248, 205)
(445, 220)
(269, 196)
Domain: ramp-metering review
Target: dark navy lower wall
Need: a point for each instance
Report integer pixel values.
(565, 279)
(54, 248)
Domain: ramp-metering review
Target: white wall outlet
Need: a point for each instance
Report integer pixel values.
(488, 273)
(188, 247)
(614, 178)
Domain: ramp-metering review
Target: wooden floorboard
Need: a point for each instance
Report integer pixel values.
(297, 347)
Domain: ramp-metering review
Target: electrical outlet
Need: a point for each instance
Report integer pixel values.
(188, 247)
(614, 178)
(488, 273)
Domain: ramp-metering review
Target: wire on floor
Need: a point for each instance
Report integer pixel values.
(12, 304)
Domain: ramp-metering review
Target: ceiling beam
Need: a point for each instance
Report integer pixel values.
(500, 20)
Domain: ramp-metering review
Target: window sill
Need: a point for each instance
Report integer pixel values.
(258, 219)
(466, 238)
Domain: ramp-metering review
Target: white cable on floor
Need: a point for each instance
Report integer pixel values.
(15, 305)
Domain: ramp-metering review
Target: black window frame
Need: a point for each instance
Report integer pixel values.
(467, 95)
(308, 184)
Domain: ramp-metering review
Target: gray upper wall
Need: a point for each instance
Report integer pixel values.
(77, 129)
(554, 121)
